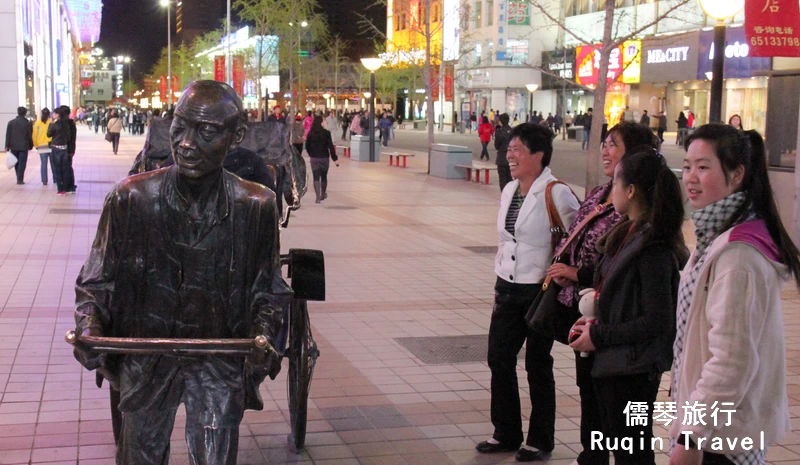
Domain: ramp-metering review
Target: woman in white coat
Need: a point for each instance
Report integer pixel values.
(524, 254)
(331, 123)
(730, 350)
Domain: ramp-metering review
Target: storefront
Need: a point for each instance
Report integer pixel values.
(676, 77)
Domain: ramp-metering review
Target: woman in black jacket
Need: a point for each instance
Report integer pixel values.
(61, 133)
(636, 283)
(320, 148)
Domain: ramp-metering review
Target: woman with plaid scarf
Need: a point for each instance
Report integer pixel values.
(729, 350)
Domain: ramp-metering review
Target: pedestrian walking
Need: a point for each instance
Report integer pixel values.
(42, 144)
(587, 129)
(114, 129)
(321, 150)
(662, 125)
(73, 137)
(485, 132)
(595, 218)
(385, 126)
(331, 124)
(298, 134)
(502, 138)
(683, 129)
(731, 344)
(558, 122)
(645, 119)
(59, 131)
(345, 122)
(355, 125)
(514, 122)
(524, 253)
(19, 141)
(736, 121)
(636, 289)
(568, 120)
(473, 119)
(307, 122)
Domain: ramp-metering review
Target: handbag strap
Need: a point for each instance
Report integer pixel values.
(598, 209)
(557, 228)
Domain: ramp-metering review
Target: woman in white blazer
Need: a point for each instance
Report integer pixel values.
(524, 253)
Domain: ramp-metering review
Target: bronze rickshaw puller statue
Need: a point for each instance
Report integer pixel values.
(190, 252)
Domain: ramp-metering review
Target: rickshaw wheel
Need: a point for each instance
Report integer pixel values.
(302, 358)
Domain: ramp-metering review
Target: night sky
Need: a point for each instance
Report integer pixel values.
(139, 28)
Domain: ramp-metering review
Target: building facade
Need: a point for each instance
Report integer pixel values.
(39, 47)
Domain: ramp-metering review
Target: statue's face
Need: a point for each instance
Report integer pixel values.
(203, 130)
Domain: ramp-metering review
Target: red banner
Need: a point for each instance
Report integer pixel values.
(219, 68)
(448, 84)
(162, 88)
(238, 74)
(176, 84)
(772, 27)
(435, 84)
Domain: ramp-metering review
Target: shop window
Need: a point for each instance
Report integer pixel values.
(436, 14)
(397, 25)
(489, 12)
(516, 52)
(476, 53)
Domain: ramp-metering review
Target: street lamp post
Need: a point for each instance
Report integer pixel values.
(372, 64)
(531, 89)
(166, 3)
(720, 10)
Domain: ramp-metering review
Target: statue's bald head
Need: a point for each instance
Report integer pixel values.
(213, 100)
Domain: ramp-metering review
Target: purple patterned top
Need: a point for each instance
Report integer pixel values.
(583, 250)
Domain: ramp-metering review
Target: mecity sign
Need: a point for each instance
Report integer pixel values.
(668, 55)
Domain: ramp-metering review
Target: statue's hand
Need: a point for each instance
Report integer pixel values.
(263, 363)
(94, 360)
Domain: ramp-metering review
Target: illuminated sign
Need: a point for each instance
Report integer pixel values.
(85, 16)
(668, 55)
(624, 60)
(519, 14)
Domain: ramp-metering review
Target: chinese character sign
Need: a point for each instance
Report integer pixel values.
(502, 30)
(519, 14)
(773, 27)
(162, 87)
(238, 74)
(219, 68)
(625, 60)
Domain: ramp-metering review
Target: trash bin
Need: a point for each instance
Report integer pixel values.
(445, 157)
(359, 148)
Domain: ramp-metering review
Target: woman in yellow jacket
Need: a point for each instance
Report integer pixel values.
(42, 143)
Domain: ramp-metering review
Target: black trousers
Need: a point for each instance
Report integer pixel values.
(115, 142)
(613, 395)
(22, 163)
(590, 412)
(504, 173)
(63, 170)
(484, 151)
(299, 148)
(507, 332)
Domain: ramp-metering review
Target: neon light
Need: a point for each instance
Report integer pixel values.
(84, 18)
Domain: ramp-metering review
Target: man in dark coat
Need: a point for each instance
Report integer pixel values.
(186, 252)
(19, 140)
(501, 139)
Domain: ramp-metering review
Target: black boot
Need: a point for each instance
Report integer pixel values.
(318, 191)
(324, 190)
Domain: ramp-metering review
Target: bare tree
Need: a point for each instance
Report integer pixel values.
(611, 39)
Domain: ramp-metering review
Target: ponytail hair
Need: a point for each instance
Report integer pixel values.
(735, 148)
(45, 114)
(658, 193)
